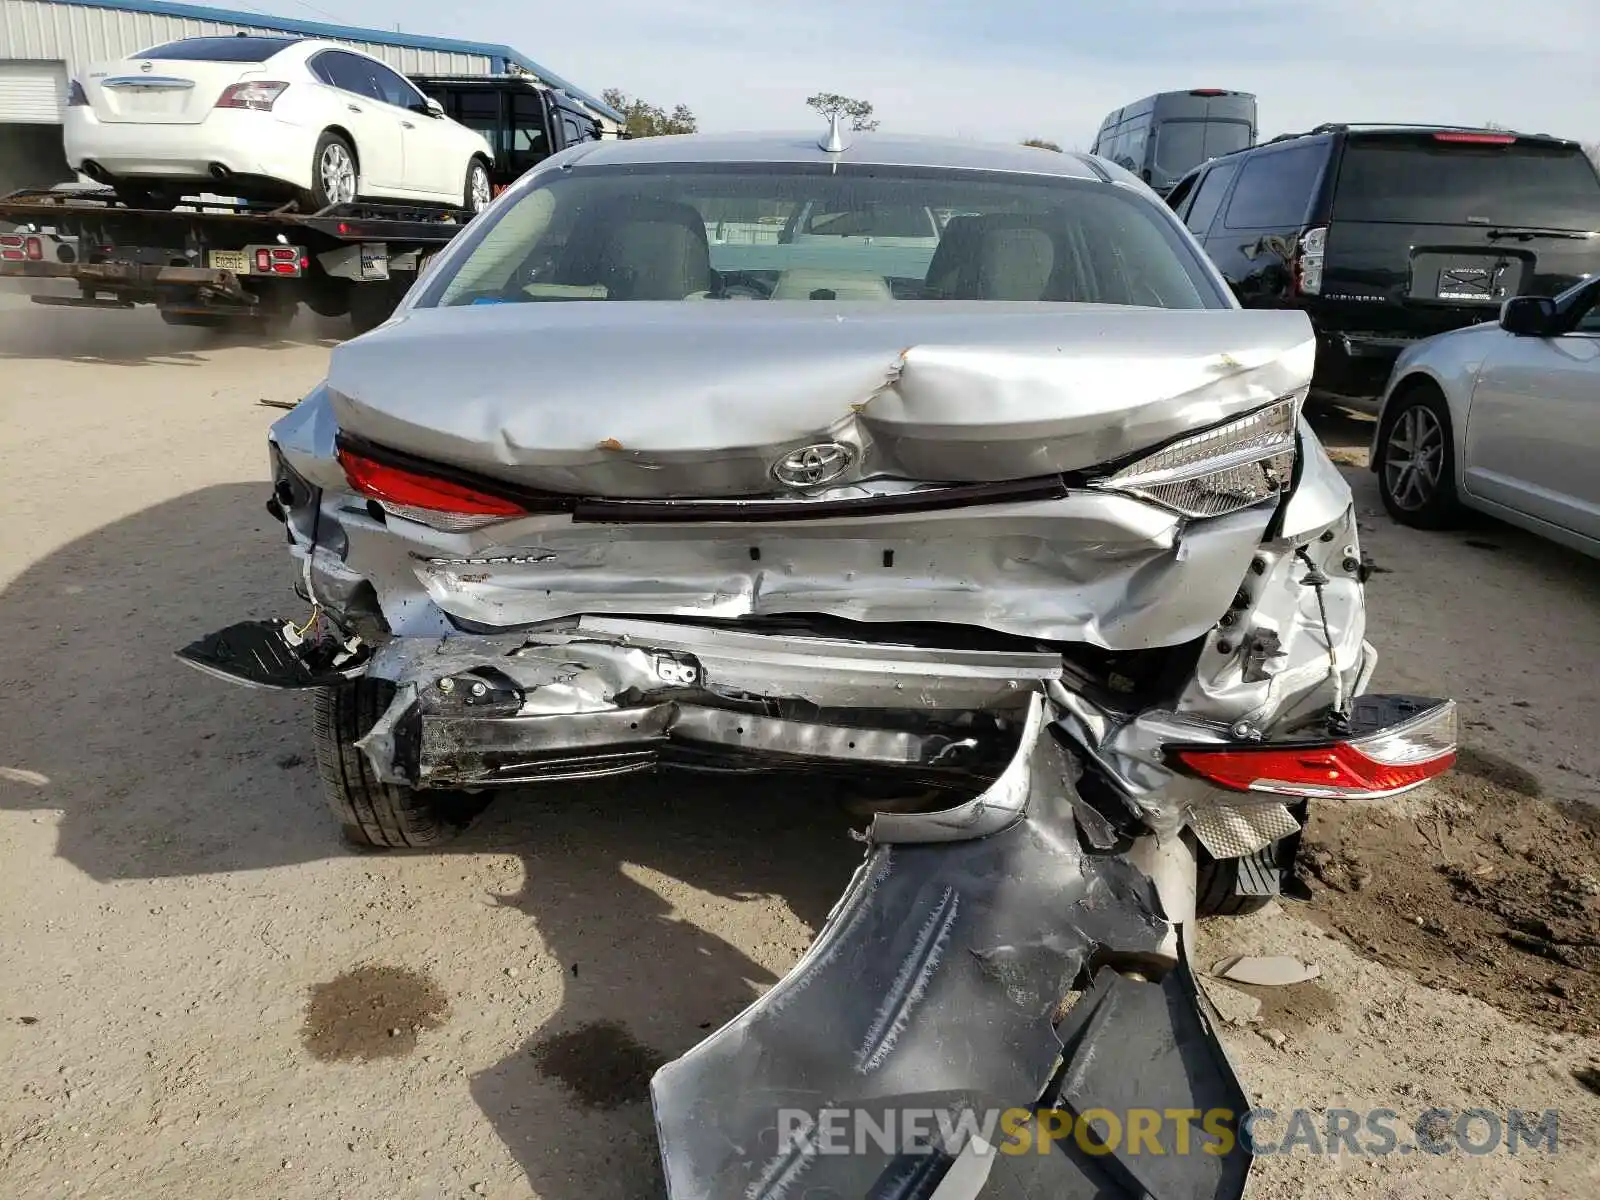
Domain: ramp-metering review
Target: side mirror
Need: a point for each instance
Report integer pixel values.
(432, 107)
(1529, 316)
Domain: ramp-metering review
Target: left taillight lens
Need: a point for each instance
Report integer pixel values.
(76, 97)
(258, 95)
(440, 503)
(1308, 261)
(1382, 763)
(1222, 470)
(21, 248)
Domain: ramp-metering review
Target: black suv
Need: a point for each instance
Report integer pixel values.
(1387, 234)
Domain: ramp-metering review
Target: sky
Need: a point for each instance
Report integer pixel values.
(1047, 68)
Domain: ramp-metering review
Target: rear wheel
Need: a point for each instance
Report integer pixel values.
(374, 813)
(477, 192)
(333, 173)
(1416, 460)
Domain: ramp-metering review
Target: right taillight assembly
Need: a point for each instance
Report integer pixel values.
(1222, 469)
(1365, 762)
(76, 96)
(1308, 261)
(258, 95)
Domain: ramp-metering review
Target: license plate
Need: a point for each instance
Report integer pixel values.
(374, 260)
(1472, 283)
(230, 260)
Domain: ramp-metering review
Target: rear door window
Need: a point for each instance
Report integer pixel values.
(1429, 182)
(391, 87)
(1274, 190)
(347, 73)
(1208, 198)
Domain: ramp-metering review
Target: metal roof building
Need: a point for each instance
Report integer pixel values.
(43, 43)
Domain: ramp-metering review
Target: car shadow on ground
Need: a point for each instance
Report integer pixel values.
(152, 770)
(134, 337)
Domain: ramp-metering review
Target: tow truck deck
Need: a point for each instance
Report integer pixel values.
(212, 262)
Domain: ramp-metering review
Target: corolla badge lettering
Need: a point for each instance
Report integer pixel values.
(810, 466)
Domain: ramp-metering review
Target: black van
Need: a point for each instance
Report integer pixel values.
(524, 121)
(1387, 234)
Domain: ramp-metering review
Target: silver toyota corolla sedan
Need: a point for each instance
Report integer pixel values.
(952, 472)
(1502, 417)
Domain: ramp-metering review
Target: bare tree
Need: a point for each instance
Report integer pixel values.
(857, 112)
(648, 120)
(1041, 144)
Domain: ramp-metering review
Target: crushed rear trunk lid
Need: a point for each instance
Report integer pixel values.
(703, 399)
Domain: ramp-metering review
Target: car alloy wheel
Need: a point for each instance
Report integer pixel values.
(337, 172)
(478, 190)
(1414, 459)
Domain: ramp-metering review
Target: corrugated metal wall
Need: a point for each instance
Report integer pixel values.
(78, 36)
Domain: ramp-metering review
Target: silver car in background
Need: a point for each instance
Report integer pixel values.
(1019, 530)
(1502, 417)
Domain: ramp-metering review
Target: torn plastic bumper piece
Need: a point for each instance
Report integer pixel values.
(935, 985)
(272, 654)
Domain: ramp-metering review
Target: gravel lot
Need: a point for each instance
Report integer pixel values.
(202, 992)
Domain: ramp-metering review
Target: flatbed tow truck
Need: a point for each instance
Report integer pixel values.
(222, 263)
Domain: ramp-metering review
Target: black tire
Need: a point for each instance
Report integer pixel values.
(374, 813)
(330, 145)
(476, 188)
(1214, 895)
(1416, 463)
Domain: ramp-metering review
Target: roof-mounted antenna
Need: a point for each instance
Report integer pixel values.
(834, 143)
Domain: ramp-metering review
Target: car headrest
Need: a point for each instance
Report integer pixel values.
(997, 256)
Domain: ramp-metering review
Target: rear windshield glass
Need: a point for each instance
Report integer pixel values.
(1445, 183)
(220, 49)
(1183, 145)
(764, 232)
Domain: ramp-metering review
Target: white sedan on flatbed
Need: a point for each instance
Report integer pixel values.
(268, 118)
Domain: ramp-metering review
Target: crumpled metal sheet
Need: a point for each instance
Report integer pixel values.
(708, 397)
(935, 984)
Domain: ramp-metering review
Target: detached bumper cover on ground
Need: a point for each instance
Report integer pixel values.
(935, 986)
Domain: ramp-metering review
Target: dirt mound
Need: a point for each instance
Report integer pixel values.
(1474, 885)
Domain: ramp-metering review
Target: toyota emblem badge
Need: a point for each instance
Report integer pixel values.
(812, 466)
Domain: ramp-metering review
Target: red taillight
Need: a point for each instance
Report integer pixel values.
(263, 260)
(1476, 139)
(1378, 764)
(408, 489)
(259, 95)
(15, 247)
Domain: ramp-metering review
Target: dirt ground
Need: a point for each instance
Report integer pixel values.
(203, 992)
